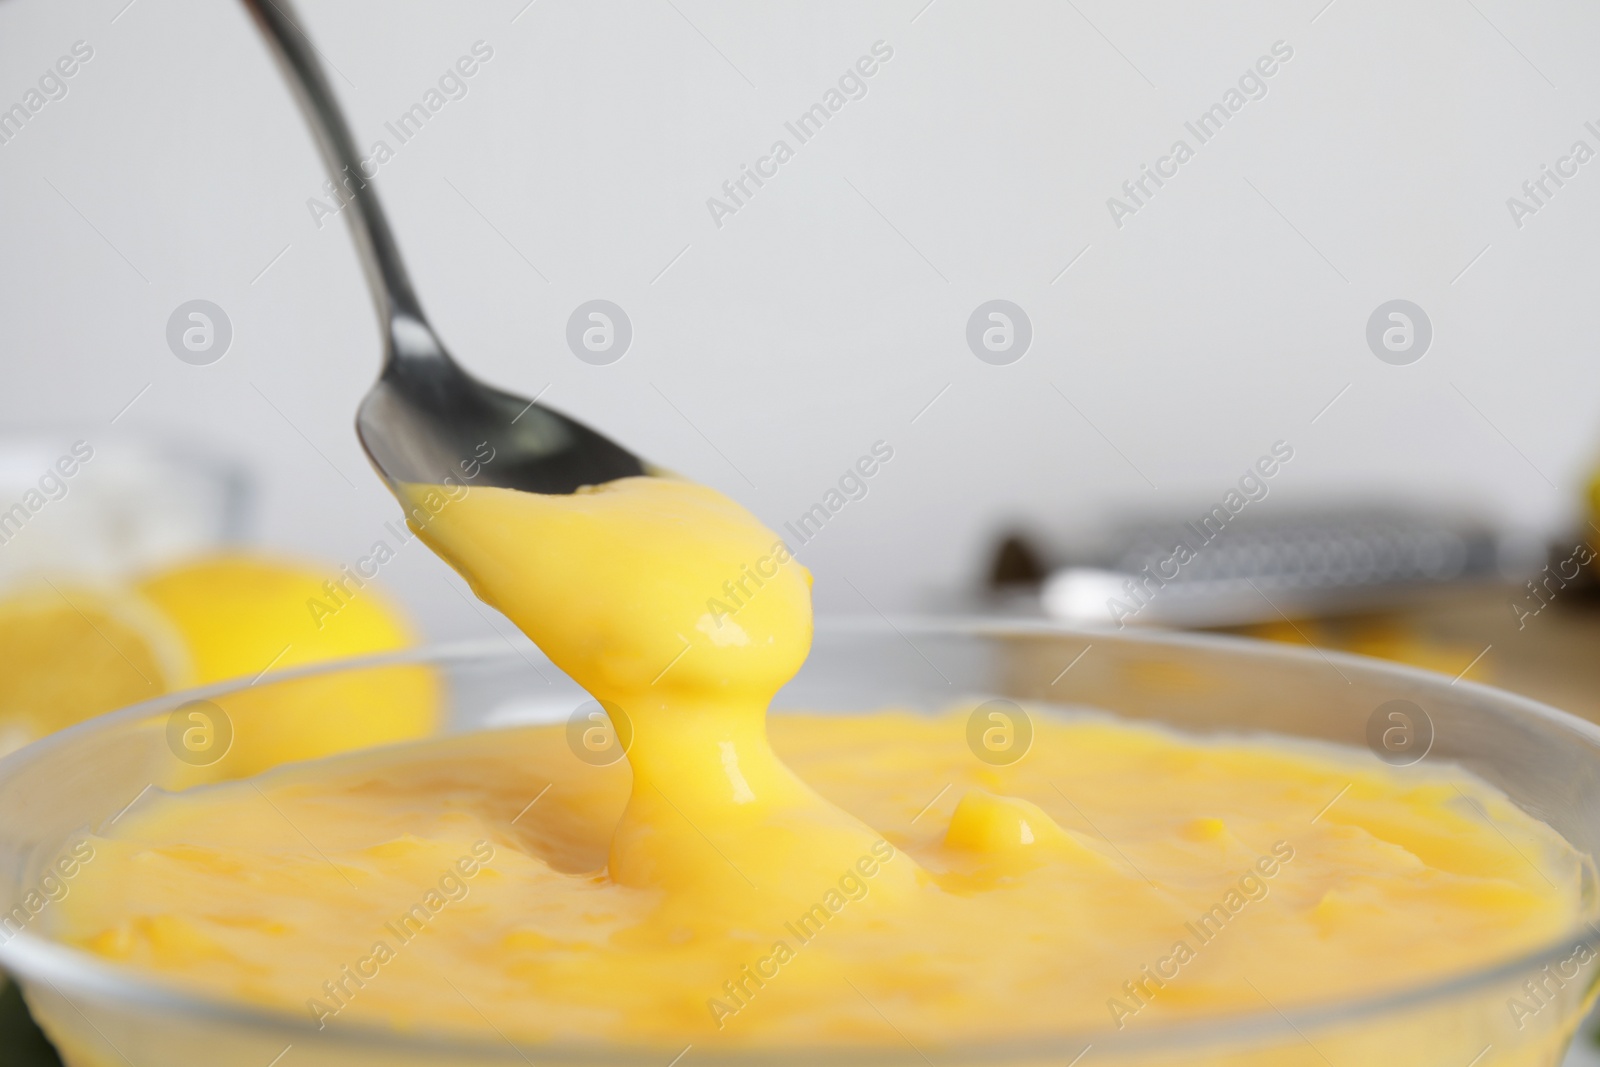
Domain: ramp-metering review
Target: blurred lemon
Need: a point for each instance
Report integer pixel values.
(73, 652)
(242, 616)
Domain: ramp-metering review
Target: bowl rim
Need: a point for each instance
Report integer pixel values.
(30, 957)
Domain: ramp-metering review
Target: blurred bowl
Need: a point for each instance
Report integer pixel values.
(72, 504)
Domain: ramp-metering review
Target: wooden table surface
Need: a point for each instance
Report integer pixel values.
(1552, 656)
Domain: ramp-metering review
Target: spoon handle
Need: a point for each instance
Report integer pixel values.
(297, 57)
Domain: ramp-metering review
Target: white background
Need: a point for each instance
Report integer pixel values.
(831, 309)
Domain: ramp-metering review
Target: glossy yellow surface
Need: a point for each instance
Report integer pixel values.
(862, 880)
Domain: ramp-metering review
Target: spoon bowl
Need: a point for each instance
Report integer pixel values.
(426, 417)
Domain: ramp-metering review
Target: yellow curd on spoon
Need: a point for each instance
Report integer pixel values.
(816, 880)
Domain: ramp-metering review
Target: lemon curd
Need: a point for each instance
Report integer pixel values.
(812, 880)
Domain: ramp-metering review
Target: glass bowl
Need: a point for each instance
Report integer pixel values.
(1546, 761)
(101, 505)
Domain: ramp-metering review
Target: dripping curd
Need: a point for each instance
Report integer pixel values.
(821, 880)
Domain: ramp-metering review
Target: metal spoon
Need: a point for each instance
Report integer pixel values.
(425, 415)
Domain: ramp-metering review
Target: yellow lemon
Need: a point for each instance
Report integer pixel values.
(72, 652)
(242, 617)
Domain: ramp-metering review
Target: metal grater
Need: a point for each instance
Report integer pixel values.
(1224, 570)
